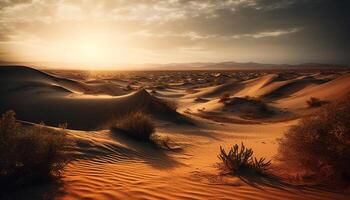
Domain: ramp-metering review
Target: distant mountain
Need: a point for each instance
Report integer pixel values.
(247, 65)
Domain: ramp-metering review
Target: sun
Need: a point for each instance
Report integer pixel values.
(90, 52)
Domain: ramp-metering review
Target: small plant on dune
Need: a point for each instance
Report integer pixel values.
(315, 102)
(319, 145)
(240, 160)
(137, 125)
(30, 153)
(224, 97)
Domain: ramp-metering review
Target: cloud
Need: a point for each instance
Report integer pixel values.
(220, 26)
(275, 33)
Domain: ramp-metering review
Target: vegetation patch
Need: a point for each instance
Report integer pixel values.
(249, 107)
(240, 160)
(137, 125)
(30, 154)
(319, 145)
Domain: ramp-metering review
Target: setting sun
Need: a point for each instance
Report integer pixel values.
(90, 52)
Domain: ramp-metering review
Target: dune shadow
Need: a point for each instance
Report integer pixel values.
(271, 181)
(148, 151)
(261, 181)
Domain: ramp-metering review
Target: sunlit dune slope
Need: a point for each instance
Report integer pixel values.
(329, 91)
(268, 86)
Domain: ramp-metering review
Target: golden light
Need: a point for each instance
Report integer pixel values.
(90, 52)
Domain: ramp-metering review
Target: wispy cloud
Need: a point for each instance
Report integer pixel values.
(274, 33)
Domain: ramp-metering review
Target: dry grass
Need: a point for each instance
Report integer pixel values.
(240, 160)
(30, 154)
(319, 146)
(137, 125)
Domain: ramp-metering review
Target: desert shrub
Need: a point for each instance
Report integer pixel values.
(319, 145)
(224, 97)
(30, 153)
(240, 160)
(137, 125)
(315, 102)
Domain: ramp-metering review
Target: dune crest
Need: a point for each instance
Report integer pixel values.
(53, 104)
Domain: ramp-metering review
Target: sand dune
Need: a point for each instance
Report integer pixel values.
(21, 76)
(280, 94)
(53, 104)
(329, 91)
(216, 91)
(266, 86)
(108, 165)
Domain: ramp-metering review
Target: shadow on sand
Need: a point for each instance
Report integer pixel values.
(271, 181)
(148, 151)
(45, 191)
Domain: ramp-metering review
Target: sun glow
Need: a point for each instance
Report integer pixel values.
(91, 52)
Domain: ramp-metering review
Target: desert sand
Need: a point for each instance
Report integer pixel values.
(110, 166)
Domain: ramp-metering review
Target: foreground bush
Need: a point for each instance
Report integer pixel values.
(319, 146)
(29, 154)
(240, 160)
(137, 125)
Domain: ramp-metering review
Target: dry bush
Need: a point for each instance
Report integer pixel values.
(29, 154)
(315, 102)
(240, 160)
(137, 125)
(224, 97)
(258, 108)
(319, 145)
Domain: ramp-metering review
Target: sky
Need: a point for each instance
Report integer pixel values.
(175, 31)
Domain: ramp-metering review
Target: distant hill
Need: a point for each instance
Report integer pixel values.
(180, 66)
(247, 65)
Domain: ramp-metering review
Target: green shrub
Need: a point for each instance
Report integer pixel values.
(319, 145)
(137, 125)
(30, 153)
(240, 160)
